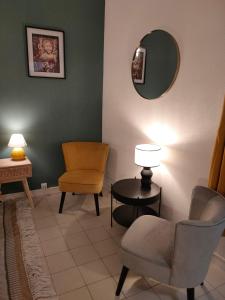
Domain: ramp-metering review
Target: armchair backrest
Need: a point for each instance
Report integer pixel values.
(85, 156)
(202, 200)
(197, 238)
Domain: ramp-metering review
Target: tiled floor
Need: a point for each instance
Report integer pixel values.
(82, 254)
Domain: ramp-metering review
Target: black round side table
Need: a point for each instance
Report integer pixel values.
(135, 200)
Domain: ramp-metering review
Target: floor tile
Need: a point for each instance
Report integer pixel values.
(45, 265)
(89, 204)
(83, 255)
(134, 284)
(54, 209)
(221, 290)
(40, 201)
(169, 293)
(103, 290)
(215, 276)
(67, 280)
(53, 203)
(113, 264)
(40, 213)
(97, 234)
(45, 222)
(116, 230)
(117, 239)
(79, 294)
(49, 233)
(105, 201)
(105, 216)
(80, 214)
(59, 262)
(213, 295)
(70, 229)
(76, 240)
(54, 246)
(72, 203)
(94, 271)
(151, 282)
(65, 219)
(90, 223)
(145, 295)
(106, 247)
(203, 289)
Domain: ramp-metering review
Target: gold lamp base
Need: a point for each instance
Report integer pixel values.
(18, 154)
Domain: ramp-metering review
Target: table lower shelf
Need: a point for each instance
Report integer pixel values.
(125, 215)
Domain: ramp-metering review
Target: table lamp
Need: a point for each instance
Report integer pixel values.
(147, 156)
(17, 142)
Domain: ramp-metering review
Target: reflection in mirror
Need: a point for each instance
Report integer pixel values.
(155, 64)
(138, 65)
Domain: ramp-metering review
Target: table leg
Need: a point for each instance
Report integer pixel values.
(27, 192)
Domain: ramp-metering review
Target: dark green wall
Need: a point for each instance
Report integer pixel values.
(50, 111)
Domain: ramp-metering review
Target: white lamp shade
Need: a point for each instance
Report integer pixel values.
(17, 141)
(147, 155)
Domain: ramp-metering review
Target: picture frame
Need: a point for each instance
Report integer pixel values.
(138, 65)
(45, 52)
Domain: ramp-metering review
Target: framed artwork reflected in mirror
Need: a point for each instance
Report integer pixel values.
(138, 65)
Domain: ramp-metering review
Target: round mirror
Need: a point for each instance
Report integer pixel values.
(155, 64)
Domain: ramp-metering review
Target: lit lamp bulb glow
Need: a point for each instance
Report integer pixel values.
(17, 142)
(147, 156)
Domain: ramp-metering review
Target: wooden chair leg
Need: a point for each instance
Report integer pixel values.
(96, 204)
(122, 279)
(62, 202)
(191, 294)
(100, 194)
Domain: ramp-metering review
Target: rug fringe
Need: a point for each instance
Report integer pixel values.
(39, 281)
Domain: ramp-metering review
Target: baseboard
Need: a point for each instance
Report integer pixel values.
(35, 193)
(48, 191)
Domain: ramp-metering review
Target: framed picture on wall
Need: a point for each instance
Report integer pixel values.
(45, 52)
(138, 65)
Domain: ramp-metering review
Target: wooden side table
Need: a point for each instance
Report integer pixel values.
(12, 171)
(136, 200)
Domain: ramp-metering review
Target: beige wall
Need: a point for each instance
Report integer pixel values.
(184, 120)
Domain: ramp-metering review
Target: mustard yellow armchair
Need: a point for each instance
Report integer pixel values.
(85, 166)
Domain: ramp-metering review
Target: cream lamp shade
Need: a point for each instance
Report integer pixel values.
(17, 142)
(147, 156)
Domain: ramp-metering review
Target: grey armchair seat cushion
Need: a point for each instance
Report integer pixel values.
(148, 247)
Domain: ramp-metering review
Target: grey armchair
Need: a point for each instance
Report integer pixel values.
(178, 254)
